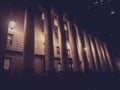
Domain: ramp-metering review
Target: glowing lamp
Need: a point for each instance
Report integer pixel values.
(12, 25)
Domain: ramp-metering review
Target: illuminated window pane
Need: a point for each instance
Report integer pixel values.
(56, 32)
(6, 65)
(42, 23)
(59, 67)
(10, 39)
(43, 16)
(67, 35)
(68, 45)
(58, 50)
(68, 52)
(65, 27)
(55, 22)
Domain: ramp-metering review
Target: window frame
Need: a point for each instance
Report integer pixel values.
(8, 65)
(10, 39)
(58, 50)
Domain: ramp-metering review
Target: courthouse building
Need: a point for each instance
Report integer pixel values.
(43, 39)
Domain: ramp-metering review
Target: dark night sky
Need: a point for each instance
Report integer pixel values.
(99, 17)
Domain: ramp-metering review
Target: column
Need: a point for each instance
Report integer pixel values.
(29, 38)
(80, 49)
(93, 48)
(99, 54)
(104, 57)
(108, 57)
(88, 52)
(103, 62)
(63, 43)
(73, 46)
(49, 52)
(91, 54)
(4, 9)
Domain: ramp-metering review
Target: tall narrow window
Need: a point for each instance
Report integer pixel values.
(56, 34)
(55, 27)
(65, 27)
(59, 67)
(42, 21)
(55, 22)
(67, 35)
(6, 64)
(43, 16)
(58, 50)
(68, 50)
(10, 39)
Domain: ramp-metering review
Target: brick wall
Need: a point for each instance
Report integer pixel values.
(39, 65)
(39, 35)
(16, 64)
(18, 31)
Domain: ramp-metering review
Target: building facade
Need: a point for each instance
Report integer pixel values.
(45, 40)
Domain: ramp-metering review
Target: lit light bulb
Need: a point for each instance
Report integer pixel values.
(12, 25)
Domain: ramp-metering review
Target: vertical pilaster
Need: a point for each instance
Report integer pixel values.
(63, 44)
(80, 49)
(29, 38)
(88, 52)
(104, 57)
(99, 54)
(94, 52)
(108, 57)
(102, 61)
(4, 16)
(49, 53)
(91, 54)
(73, 46)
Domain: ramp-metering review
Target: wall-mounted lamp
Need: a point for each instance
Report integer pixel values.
(12, 25)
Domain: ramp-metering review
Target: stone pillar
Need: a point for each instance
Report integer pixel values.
(93, 48)
(104, 57)
(80, 49)
(4, 16)
(73, 46)
(108, 57)
(91, 54)
(49, 52)
(88, 52)
(103, 62)
(63, 44)
(99, 54)
(29, 38)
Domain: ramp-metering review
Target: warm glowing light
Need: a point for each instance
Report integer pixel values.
(55, 22)
(12, 25)
(43, 38)
(43, 16)
(85, 49)
(68, 45)
(65, 27)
